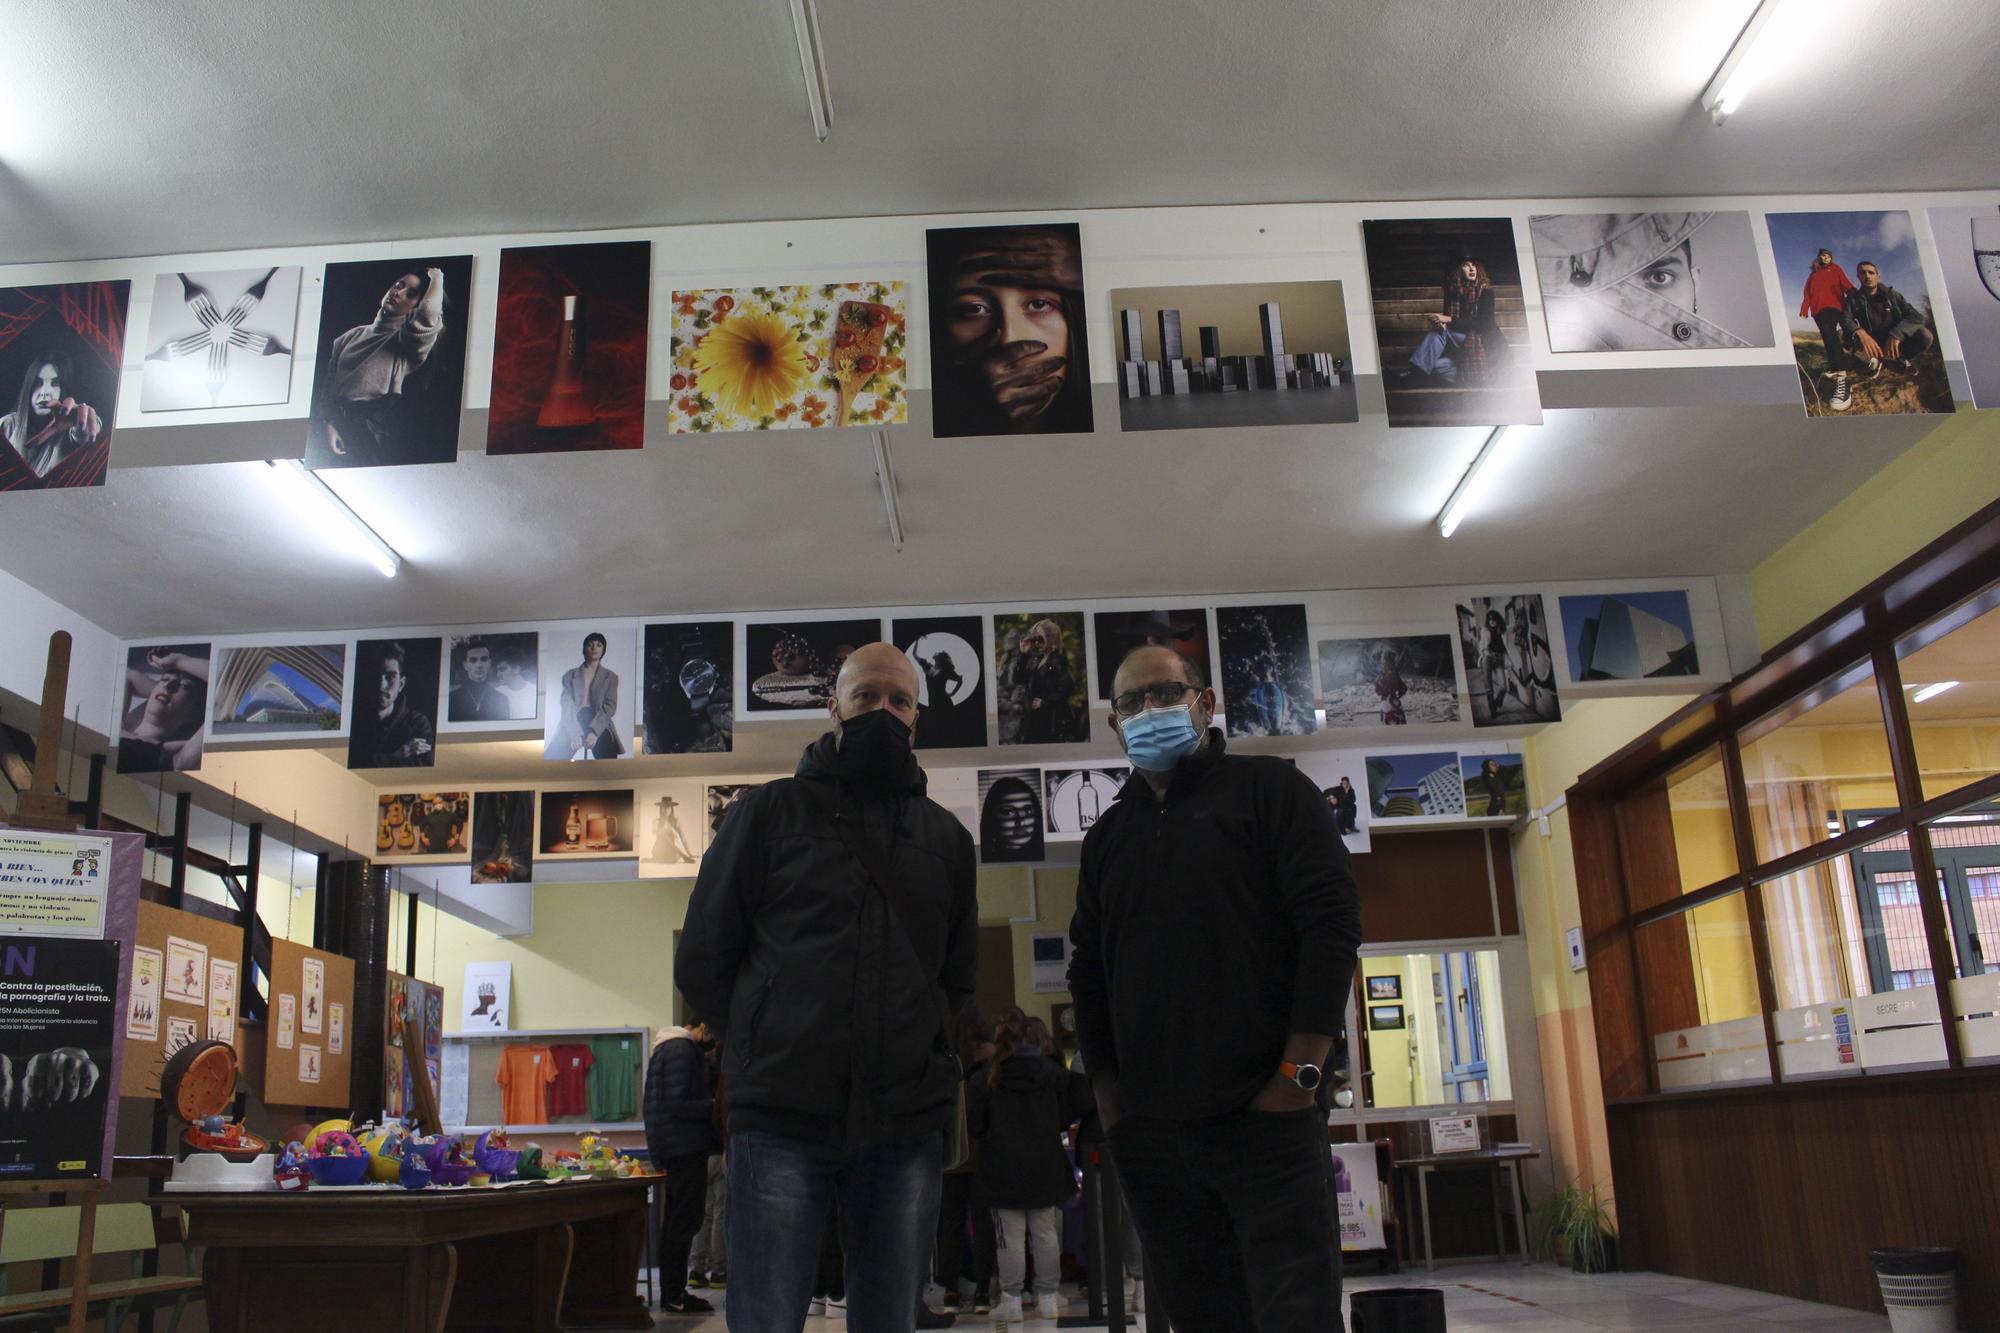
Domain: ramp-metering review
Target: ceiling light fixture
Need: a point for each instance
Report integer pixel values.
(885, 472)
(1743, 65)
(1468, 488)
(314, 494)
(1932, 691)
(812, 59)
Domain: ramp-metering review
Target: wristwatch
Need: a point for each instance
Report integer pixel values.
(1306, 1076)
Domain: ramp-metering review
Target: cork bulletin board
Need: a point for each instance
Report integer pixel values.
(185, 988)
(309, 1034)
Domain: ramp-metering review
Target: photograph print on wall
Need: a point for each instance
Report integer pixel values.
(1968, 247)
(1184, 632)
(392, 721)
(1076, 798)
(220, 339)
(1629, 635)
(792, 665)
(950, 657)
(389, 376)
(425, 826)
(1267, 670)
(690, 687)
(164, 708)
(789, 358)
(60, 352)
(1451, 322)
(1342, 779)
(1862, 328)
(1415, 786)
(587, 708)
(1010, 815)
(587, 823)
(1010, 354)
(569, 348)
(1495, 784)
(1510, 675)
(1649, 282)
(721, 798)
(1391, 681)
(494, 677)
(671, 826)
(503, 837)
(1038, 675)
(279, 690)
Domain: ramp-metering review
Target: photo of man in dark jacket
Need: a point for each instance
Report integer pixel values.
(680, 1137)
(832, 932)
(1882, 325)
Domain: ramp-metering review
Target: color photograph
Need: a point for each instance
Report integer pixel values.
(1076, 798)
(790, 358)
(1038, 674)
(164, 708)
(278, 691)
(1342, 779)
(1968, 247)
(587, 823)
(220, 339)
(1233, 354)
(690, 687)
(423, 826)
(1267, 670)
(1415, 786)
(60, 352)
(1649, 282)
(1010, 354)
(1451, 322)
(1393, 681)
(503, 837)
(587, 705)
(949, 654)
(792, 665)
(494, 678)
(1629, 635)
(670, 827)
(1118, 632)
(1010, 815)
(392, 722)
(721, 797)
(389, 376)
(1385, 988)
(1510, 674)
(569, 348)
(1495, 784)
(1863, 332)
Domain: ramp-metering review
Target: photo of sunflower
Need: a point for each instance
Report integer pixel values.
(788, 358)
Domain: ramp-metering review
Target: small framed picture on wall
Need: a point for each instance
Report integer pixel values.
(1385, 1017)
(1385, 988)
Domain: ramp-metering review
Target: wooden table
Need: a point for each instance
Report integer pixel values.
(1495, 1160)
(333, 1261)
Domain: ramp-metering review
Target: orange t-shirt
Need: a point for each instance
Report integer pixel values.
(524, 1078)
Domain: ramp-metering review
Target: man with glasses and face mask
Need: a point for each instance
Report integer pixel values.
(832, 933)
(1214, 945)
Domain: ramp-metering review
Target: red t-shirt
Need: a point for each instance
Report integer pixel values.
(567, 1095)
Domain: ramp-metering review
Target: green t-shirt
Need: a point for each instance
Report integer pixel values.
(614, 1077)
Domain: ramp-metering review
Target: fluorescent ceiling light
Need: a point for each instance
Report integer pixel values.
(812, 59)
(1744, 64)
(1932, 691)
(318, 499)
(1469, 486)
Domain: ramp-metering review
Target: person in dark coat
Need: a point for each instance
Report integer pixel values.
(680, 1136)
(1043, 672)
(1017, 1114)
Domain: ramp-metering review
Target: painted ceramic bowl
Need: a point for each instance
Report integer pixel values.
(349, 1170)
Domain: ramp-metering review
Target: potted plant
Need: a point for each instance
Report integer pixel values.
(1581, 1222)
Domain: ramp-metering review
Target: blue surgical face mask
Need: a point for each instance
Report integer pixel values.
(1160, 738)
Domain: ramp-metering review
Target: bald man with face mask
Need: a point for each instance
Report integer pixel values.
(832, 933)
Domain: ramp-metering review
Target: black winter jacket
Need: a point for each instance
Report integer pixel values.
(1018, 1125)
(832, 1002)
(679, 1101)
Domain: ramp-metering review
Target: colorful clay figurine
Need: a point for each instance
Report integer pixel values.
(414, 1172)
(531, 1165)
(290, 1167)
(495, 1159)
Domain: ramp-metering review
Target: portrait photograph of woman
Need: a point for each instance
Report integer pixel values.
(390, 374)
(59, 354)
(1009, 354)
(589, 706)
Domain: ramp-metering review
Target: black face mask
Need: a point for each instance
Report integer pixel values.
(875, 744)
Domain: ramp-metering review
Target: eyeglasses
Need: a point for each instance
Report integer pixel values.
(1160, 694)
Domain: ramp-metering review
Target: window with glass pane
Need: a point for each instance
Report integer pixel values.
(1677, 832)
(1813, 761)
(1699, 972)
(1433, 1029)
(1951, 689)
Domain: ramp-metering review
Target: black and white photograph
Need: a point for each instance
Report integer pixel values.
(1076, 798)
(1389, 681)
(792, 665)
(1010, 354)
(1650, 282)
(1451, 322)
(1267, 670)
(950, 656)
(1039, 681)
(690, 687)
(587, 703)
(1510, 674)
(393, 718)
(1234, 354)
(1010, 815)
(278, 691)
(1968, 250)
(61, 348)
(721, 797)
(389, 376)
(58, 1057)
(221, 338)
(586, 824)
(163, 708)
(494, 678)
(1183, 631)
(670, 826)
(503, 837)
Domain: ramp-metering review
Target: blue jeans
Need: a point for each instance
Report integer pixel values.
(780, 1192)
(1433, 354)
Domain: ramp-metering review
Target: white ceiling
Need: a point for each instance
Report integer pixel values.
(134, 127)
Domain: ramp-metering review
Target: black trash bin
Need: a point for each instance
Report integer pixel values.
(1397, 1310)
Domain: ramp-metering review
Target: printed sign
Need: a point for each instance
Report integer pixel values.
(142, 1009)
(336, 1028)
(53, 884)
(187, 971)
(1454, 1133)
(288, 1020)
(221, 1000)
(58, 1025)
(312, 999)
(308, 1063)
(1357, 1192)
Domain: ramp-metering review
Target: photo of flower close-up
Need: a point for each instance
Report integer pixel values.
(789, 358)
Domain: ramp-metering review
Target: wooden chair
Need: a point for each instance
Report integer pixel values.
(41, 1234)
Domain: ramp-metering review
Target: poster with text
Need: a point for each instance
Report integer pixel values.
(58, 1024)
(187, 971)
(142, 1007)
(487, 997)
(792, 665)
(1010, 815)
(1039, 682)
(949, 655)
(336, 1029)
(1183, 632)
(690, 687)
(1650, 282)
(1267, 670)
(1357, 1194)
(221, 1000)
(569, 348)
(164, 708)
(790, 358)
(492, 680)
(503, 837)
(1968, 248)
(1391, 680)
(288, 1020)
(1010, 354)
(279, 691)
(221, 338)
(1510, 674)
(61, 348)
(54, 883)
(312, 995)
(389, 377)
(590, 690)
(393, 719)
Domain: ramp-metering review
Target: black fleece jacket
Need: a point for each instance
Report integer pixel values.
(831, 999)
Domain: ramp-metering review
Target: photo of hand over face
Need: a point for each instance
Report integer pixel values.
(1009, 352)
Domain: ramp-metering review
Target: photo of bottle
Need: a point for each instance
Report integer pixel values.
(567, 402)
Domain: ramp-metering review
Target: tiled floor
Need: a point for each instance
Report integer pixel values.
(1508, 1298)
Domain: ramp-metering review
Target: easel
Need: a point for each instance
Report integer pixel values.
(43, 807)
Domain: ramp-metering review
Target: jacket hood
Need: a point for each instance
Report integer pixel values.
(823, 760)
(1026, 1071)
